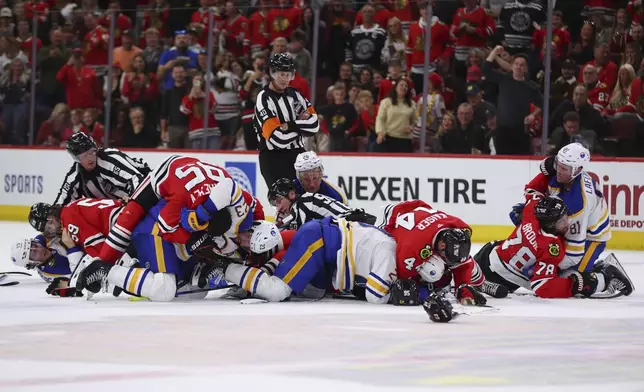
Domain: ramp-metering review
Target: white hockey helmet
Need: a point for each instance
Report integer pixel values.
(308, 161)
(575, 156)
(266, 237)
(432, 270)
(21, 254)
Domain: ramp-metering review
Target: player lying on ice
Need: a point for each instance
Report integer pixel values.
(322, 254)
(432, 247)
(532, 257)
(164, 268)
(589, 221)
(293, 209)
(310, 178)
(37, 254)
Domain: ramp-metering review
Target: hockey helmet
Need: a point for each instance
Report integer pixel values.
(21, 253)
(38, 215)
(281, 187)
(266, 238)
(457, 245)
(432, 270)
(575, 156)
(548, 211)
(281, 62)
(79, 143)
(308, 160)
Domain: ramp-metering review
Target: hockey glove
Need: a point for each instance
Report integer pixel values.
(439, 309)
(468, 295)
(516, 215)
(583, 283)
(547, 166)
(194, 220)
(59, 288)
(359, 215)
(404, 292)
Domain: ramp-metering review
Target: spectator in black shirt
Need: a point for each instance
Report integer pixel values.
(466, 137)
(589, 117)
(570, 132)
(481, 107)
(340, 120)
(14, 88)
(140, 133)
(174, 124)
(516, 93)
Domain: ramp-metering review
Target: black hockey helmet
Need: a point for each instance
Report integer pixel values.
(281, 187)
(457, 245)
(220, 223)
(38, 215)
(548, 211)
(281, 62)
(79, 143)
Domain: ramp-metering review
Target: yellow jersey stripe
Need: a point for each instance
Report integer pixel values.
(589, 253)
(375, 285)
(303, 260)
(134, 280)
(601, 221)
(158, 249)
(250, 277)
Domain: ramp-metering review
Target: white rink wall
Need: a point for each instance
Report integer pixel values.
(481, 190)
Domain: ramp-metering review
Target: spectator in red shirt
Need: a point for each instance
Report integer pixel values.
(606, 68)
(81, 84)
(52, 130)
(140, 88)
(25, 38)
(395, 75)
(122, 22)
(94, 128)
(75, 126)
(193, 106)
(96, 42)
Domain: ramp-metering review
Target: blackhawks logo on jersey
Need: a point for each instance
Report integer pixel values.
(553, 249)
(426, 252)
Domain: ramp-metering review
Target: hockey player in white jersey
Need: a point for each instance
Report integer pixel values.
(588, 215)
(325, 253)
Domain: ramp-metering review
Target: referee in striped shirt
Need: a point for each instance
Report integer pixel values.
(99, 173)
(283, 117)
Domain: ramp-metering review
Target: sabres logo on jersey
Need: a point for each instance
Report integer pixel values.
(553, 249)
(426, 252)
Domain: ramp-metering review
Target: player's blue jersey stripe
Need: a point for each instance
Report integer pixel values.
(375, 293)
(257, 281)
(379, 279)
(138, 289)
(601, 227)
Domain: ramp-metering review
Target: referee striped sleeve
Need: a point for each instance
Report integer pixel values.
(69, 191)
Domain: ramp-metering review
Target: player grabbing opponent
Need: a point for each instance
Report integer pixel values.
(325, 253)
(588, 214)
(532, 256)
(430, 244)
(194, 191)
(310, 178)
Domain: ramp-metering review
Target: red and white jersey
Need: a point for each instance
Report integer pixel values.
(415, 226)
(200, 18)
(598, 95)
(26, 45)
(237, 35)
(89, 220)
(530, 257)
(484, 27)
(258, 32)
(606, 74)
(441, 45)
(96, 45)
(281, 22)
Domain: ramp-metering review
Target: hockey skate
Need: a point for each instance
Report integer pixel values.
(618, 282)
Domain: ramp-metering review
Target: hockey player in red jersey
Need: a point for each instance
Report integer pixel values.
(194, 191)
(430, 242)
(532, 255)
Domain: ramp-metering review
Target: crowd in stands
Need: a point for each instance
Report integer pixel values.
(485, 85)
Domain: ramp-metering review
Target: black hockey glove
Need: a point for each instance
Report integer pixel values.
(468, 295)
(404, 292)
(359, 215)
(439, 309)
(584, 283)
(199, 240)
(547, 166)
(59, 287)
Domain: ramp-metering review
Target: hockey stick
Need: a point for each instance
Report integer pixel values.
(203, 290)
(15, 273)
(9, 284)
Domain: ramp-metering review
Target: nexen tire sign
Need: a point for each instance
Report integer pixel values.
(481, 191)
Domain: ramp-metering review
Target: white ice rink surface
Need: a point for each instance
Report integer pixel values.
(114, 345)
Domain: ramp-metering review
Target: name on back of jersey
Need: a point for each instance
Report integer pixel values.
(530, 235)
(428, 221)
(203, 190)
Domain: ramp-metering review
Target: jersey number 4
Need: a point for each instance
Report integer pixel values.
(200, 172)
(407, 221)
(524, 256)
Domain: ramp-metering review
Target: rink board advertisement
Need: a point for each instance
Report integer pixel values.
(479, 190)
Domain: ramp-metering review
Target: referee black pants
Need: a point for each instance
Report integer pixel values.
(276, 164)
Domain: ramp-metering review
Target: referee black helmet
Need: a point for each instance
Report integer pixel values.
(281, 187)
(79, 143)
(281, 62)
